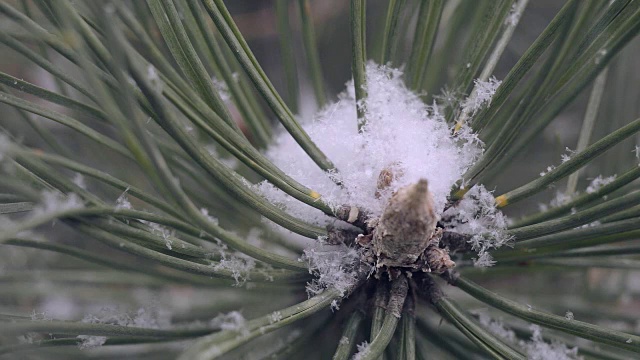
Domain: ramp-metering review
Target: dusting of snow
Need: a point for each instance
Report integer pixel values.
(476, 214)
(599, 182)
(482, 94)
(335, 305)
(401, 133)
(333, 265)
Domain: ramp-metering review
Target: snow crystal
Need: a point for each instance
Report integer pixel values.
(549, 169)
(334, 265)
(222, 89)
(599, 182)
(401, 133)
(514, 16)
(496, 327)
(476, 214)
(109, 315)
(80, 181)
(275, 317)
(363, 350)
(240, 266)
(232, 321)
(559, 199)
(122, 202)
(56, 202)
(482, 93)
(566, 157)
(205, 212)
(569, 315)
(344, 340)
(154, 78)
(90, 341)
(538, 349)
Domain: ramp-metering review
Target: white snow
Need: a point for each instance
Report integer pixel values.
(109, 315)
(482, 94)
(334, 265)
(599, 182)
(476, 214)
(536, 348)
(232, 321)
(53, 202)
(402, 133)
(363, 350)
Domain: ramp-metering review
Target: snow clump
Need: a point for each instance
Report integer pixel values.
(401, 134)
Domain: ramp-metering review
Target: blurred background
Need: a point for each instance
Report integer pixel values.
(257, 22)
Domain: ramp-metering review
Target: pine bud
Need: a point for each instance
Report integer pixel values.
(406, 226)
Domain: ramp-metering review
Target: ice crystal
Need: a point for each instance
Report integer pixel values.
(482, 94)
(232, 321)
(108, 315)
(569, 315)
(275, 317)
(240, 266)
(222, 89)
(53, 202)
(538, 349)
(476, 214)
(599, 182)
(122, 202)
(333, 265)
(363, 351)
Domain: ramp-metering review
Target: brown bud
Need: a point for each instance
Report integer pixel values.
(406, 226)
